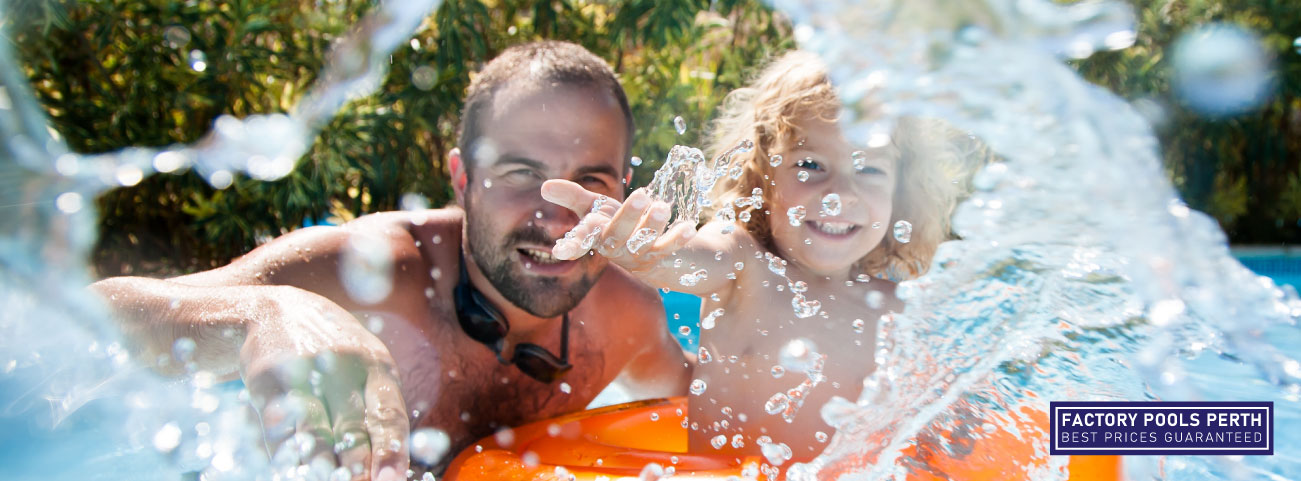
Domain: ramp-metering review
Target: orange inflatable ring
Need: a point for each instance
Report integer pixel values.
(619, 441)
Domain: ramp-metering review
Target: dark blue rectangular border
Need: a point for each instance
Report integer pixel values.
(1156, 449)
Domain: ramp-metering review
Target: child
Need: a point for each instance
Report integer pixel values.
(797, 265)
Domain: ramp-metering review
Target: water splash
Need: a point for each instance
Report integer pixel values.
(686, 177)
(83, 375)
(1067, 246)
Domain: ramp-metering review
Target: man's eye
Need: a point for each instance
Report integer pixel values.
(808, 163)
(524, 174)
(593, 183)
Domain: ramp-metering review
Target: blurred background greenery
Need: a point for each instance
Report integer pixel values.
(119, 73)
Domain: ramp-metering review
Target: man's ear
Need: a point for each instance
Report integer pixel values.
(456, 169)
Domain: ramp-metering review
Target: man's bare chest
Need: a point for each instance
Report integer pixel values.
(465, 391)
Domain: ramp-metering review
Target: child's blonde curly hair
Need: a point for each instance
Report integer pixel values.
(934, 160)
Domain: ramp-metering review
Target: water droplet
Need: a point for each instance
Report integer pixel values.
(804, 308)
(859, 158)
(198, 60)
(505, 437)
(903, 232)
(684, 330)
(737, 441)
(655, 416)
(875, 299)
(831, 205)
(428, 445)
(745, 145)
(858, 325)
(718, 441)
(863, 278)
(680, 125)
(777, 265)
(744, 216)
(703, 356)
(366, 268)
(776, 453)
(183, 349)
(800, 286)
(876, 225)
(530, 459)
(798, 355)
(726, 214)
(68, 202)
(796, 215)
(735, 172)
(651, 472)
(566, 388)
(636, 161)
(778, 372)
(820, 436)
(169, 161)
(739, 265)
(424, 77)
(176, 36)
(697, 386)
(693, 278)
(777, 404)
(487, 183)
(641, 239)
(589, 240)
(802, 175)
(707, 322)
(129, 175)
(1221, 69)
(775, 160)
(167, 438)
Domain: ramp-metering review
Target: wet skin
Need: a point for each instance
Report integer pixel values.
(281, 311)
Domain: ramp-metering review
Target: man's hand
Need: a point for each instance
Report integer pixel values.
(627, 233)
(326, 389)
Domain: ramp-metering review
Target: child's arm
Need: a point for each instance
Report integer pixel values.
(674, 260)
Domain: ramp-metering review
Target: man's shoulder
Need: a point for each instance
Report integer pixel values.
(402, 231)
(449, 218)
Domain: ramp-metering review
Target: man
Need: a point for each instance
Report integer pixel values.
(477, 326)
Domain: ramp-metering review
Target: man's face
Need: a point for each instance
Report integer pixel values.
(573, 133)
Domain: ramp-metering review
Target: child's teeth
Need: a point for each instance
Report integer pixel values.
(834, 228)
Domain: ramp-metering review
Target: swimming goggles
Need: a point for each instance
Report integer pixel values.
(484, 323)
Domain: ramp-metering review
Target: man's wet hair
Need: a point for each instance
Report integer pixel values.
(534, 65)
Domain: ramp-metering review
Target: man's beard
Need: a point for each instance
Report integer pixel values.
(539, 296)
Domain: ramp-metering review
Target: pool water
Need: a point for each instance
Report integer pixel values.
(1283, 269)
(683, 311)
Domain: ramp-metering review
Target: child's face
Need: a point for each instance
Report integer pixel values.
(828, 243)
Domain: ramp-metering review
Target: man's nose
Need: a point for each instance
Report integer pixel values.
(554, 219)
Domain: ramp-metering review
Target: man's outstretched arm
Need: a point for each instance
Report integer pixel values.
(275, 337)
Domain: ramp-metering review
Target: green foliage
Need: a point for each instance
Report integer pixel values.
(118, 73)
(1243, 169)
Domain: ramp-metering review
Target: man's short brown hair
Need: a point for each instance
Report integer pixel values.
(535, 64)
